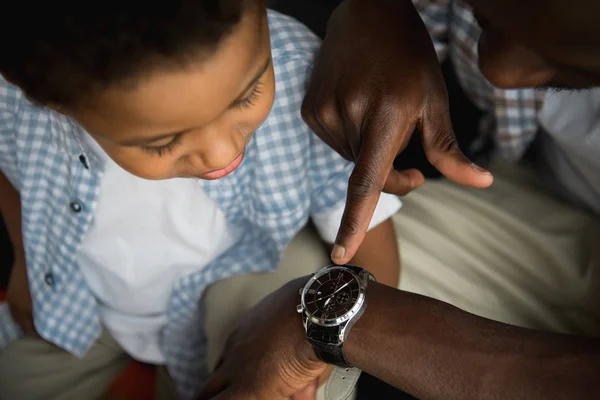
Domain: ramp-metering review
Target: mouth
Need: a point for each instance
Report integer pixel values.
(223, 172)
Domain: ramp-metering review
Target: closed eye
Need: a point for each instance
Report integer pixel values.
(164, 148)
(249, 100)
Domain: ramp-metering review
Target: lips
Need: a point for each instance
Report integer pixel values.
(220, 173)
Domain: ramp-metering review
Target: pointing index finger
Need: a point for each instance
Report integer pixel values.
(373, 166)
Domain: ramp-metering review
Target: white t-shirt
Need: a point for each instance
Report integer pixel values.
(571, 144)
(147, 234)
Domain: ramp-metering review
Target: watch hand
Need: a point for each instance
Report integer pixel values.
(324, 297)
(341, 287)
(327, 301)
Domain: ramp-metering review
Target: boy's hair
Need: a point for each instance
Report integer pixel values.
(62, 57)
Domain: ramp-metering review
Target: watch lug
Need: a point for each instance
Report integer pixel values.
(343, 328)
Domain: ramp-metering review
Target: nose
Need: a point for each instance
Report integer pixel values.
(214, 149)
(508, 64)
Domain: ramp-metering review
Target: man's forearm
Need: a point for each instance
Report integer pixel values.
(436, 351)
(10, 210)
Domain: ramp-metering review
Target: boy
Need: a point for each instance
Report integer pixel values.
(105, 113)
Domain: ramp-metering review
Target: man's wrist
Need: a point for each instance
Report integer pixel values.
(353, 346)
(357, 339)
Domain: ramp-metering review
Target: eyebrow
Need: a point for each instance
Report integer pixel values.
(147, 141)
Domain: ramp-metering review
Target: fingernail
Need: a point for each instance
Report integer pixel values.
(479, 169)
(338, 252)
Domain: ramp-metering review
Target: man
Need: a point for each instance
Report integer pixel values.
(516, 255)
(380, 74)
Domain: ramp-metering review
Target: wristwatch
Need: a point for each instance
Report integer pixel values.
(332, 300)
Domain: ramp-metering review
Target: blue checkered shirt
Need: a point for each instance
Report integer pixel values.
(288, 174)
(510, 115)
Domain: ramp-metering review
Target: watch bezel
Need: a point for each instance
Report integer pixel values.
(354, 310)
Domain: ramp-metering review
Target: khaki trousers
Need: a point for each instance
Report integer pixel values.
(511, 253)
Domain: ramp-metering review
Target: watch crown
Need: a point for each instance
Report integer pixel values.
(299, 309)
(300, 291)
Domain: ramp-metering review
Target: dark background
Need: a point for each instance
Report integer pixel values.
(314, 14)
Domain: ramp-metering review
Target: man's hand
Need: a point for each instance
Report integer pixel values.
(19, 298)
(267, 357)
(376, 79)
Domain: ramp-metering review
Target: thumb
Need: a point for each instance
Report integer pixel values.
(444, 153)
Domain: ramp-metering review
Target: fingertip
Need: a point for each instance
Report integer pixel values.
(486, 181)
(340, 255)
(459, 169)
(415, 177)
(485, 177)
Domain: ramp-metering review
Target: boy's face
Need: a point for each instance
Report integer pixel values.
(194, 121)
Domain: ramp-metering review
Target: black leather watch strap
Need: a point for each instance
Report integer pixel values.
(326, 340)
(327, 346)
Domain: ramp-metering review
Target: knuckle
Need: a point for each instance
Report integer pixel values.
(328, 116)
(445, 141)
(363, 183)
(308, 115)
(323, 115)
(356, 103)
(349, 226)
(388, 120)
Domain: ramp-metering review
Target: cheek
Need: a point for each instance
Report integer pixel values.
(143, 164)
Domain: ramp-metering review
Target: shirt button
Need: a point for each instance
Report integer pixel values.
(75, 206)
(84, 162)
(49, 279)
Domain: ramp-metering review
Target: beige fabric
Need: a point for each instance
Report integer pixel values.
(511, 253)
(33, 369)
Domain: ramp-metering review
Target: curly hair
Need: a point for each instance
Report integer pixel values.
(78, 49)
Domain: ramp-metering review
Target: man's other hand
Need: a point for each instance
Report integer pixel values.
(267, 357)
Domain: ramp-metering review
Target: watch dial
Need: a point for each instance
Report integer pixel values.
(332, 295)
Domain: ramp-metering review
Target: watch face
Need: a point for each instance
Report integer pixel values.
(332, 295)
